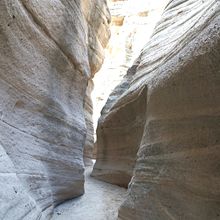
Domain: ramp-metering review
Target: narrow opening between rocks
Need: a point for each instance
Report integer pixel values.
(131, 27)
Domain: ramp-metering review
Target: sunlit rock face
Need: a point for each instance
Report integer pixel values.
(98, 18)
(172, 94)
(131, 26)
(49, 52)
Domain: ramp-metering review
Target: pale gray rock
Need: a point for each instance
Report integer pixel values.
(132, 24)
(89, 143)
(173, 95)
(45, 65)
(98, 17)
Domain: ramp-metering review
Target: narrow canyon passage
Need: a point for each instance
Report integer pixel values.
(134, 85)
(130, 27)
(100, 202)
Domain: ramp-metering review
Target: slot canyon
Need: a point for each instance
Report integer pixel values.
(110, 110)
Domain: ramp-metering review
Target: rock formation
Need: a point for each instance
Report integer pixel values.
(89, 142)
(98, 18)
(132, 25)
(167, 111)
(49, 52)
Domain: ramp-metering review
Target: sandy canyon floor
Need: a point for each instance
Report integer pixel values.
(100, 202)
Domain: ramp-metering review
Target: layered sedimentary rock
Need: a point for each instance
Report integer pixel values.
(132, 25)
(49, 52)
(98, 17)
(171, 99)
(89, 142)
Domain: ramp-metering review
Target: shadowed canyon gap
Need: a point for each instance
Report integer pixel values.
(159, 130)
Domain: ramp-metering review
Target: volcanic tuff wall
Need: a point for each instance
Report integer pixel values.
(132, 25)
(49, 52)
(168, 110)
(98, 18)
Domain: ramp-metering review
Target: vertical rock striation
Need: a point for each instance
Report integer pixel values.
(98, 17)
(131, 25)
(171, 99)
(49, 52)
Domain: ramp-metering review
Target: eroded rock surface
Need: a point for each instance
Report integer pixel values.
(168, 109)
(132, 25)
(89, 143)
(98, 17)
(49, 51)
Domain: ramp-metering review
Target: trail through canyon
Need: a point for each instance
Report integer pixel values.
(101, 201)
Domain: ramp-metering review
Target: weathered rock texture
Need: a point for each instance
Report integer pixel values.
(98, 17)
(168, 109)
(89, 143)
(132, 25)
(49, 51)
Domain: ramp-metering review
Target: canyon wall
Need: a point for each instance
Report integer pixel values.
(132, 24)
(164, 120)
(98, 17)
(50, 50)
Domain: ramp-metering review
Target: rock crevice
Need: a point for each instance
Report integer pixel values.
(175, 175)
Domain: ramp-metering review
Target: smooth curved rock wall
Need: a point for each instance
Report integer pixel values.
(89, 143)
(176, 175)
(98, 17)
(49, 51)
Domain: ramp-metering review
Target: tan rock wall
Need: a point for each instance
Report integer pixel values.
(132, 24)
(176, 175)
(45, 65)
(98, 17)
